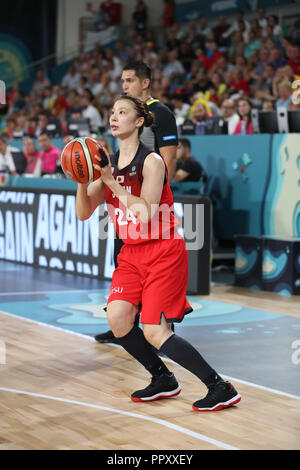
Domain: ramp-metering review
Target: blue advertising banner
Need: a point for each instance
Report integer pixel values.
(238, 168)
(191, 11)
(281, 202)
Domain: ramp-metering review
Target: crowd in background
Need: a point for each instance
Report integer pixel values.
(221, 69)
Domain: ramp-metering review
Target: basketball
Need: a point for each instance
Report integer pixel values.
(78, 158)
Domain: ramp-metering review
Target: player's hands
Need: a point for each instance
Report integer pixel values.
(106, 171)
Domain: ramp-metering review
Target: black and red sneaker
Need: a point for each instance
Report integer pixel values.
(107, 337)
(161, 386)
(220, 395)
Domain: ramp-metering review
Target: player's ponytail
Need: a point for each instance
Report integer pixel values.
(149, 117)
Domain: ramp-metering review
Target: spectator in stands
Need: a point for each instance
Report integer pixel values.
(282, 74)
(71, 79)
(264, 57)
(293, 54)
(33, 158)
(122, 51)
(106, 91)
(201, 83)
(244, 126)
(193, 38)
(239, 83)
(49, 154)
(139, 17)
(100, 18)
(91, 112)
(173, 68)
(244, 31)
(223, 65)
(256, 28)
(73, 103)
(276, 59)
(237, 46)
(179, 30)
(67, 139)
(114, 11)
(60, 103)
(10, 94)
(230, 115)
(33, 105)
(274, 23)
(17, 102)
(267, 106)
(236, 25)
(253, 44)
(220, 28)
(11, 125)
(84, 84)
(185, 55)
(168, 13)
(181, 109)
(220, 86)
(197, 118)
(32, 127)
(284, 95)
(262, 86)
(256, 59)
(212, 55)
(49, 99)
(40, 84)
(42, 123)
(114, 64)
(150, 55)
(202, 28)
(261, 17)
(294, 32)
(22, 124)
(7, 164)
(171, 41)
(188, 168)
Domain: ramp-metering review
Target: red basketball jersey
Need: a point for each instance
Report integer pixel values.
(128, 226)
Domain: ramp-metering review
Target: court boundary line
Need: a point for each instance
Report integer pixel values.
(162, 422)
(166, 359)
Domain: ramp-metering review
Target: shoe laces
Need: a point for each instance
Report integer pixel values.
(154, 379)
(213, 389)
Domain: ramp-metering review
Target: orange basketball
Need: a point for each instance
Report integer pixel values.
(78, 158)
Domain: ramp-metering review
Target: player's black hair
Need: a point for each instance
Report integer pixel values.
(141, 69)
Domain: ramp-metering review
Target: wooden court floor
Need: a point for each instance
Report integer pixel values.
(60, 390)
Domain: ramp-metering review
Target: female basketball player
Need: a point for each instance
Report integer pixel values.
(153, 263)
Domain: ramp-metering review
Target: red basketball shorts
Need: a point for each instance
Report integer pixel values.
(154, 273)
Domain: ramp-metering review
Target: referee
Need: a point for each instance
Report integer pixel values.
(162, 137)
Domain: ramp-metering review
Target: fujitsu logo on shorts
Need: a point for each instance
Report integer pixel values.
(116, 290)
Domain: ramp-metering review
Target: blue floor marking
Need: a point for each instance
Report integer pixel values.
(83, 311)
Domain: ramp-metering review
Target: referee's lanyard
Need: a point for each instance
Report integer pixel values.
(152, 100)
